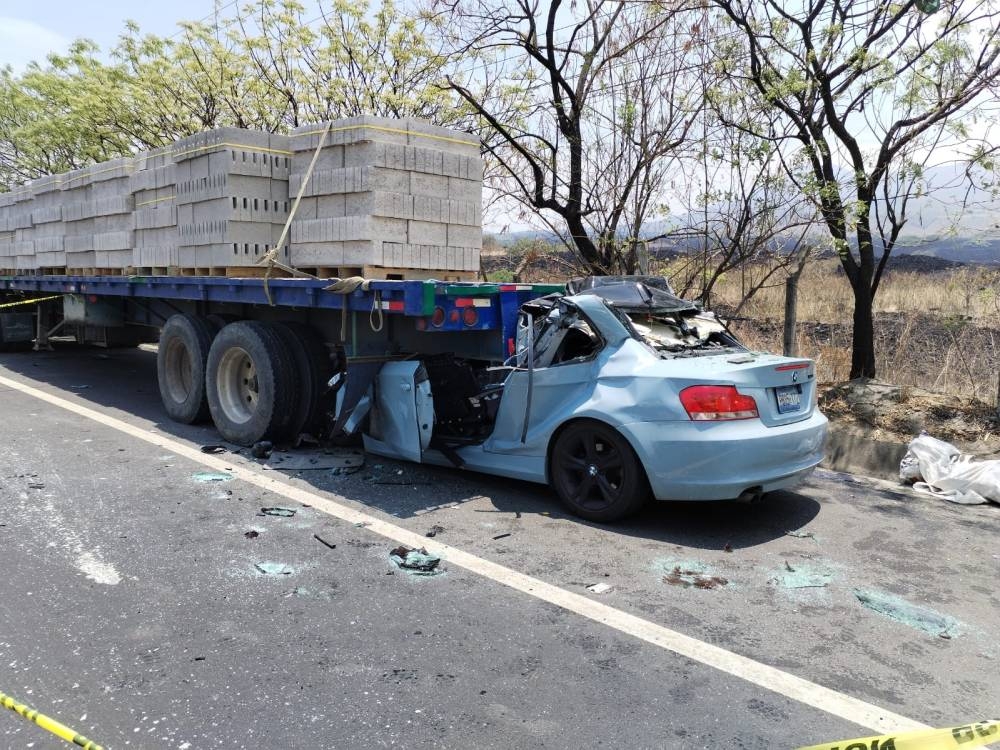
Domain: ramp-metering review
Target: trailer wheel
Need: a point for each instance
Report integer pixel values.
(180, 367)
(596, 473)
(251, 384)
(314, 370)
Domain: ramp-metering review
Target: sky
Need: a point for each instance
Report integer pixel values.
(30, 30)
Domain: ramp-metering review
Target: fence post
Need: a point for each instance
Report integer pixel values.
(789, 343)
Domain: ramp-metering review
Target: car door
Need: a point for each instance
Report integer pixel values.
(536, 400)
(402, 416)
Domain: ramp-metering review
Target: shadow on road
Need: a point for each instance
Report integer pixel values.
(125, 380)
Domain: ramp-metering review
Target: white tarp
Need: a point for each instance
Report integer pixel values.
(940, 469)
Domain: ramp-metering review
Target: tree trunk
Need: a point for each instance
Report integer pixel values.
(590, 253)
(863, 345)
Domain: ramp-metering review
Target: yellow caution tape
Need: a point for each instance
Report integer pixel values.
(50, 725)
(155, 200)
(397, 131)
(978, 734)
(30, 301)
(241, 147)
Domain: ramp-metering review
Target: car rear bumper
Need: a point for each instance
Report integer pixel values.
(722, 460)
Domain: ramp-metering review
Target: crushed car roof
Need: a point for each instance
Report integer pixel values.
(633, 294)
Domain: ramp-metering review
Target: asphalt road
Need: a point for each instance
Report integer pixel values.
(134, 608)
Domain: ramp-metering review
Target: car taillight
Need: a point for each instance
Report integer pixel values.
(717, 402)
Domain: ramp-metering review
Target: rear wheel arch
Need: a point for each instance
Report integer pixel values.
(633, 478)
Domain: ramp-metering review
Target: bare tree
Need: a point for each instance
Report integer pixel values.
(868, 89)
(593, 108)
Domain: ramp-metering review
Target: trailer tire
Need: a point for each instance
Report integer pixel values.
(251, 384)
(596, 473)
(180, 367)
(314, 370)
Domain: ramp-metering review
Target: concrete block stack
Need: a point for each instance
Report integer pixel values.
(153, 189)
(97, 214)
(9, 242)
(389, 194)
(48, 233)
(19, 224)
(386, 196)
(231, 196)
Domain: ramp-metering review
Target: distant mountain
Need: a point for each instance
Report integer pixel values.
(954, 220)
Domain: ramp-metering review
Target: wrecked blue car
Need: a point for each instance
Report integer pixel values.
(617, 392)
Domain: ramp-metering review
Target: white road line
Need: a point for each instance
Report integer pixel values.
(857, 711)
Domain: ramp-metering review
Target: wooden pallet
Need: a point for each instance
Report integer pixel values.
(417, 274)
(95, 272)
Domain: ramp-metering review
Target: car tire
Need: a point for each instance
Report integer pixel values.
(251, 383)
(314, 370)
(596, 473)
(181, 358)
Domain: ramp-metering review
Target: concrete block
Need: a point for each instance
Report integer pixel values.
(465, 190)
(120, 204)
(150, 179)
(77, 179)
(363, 252)
(307, 209)
(185, 214)
(54, 259)
(224, 186)
(426, 233)
(46, 185)
(81, 258)
(317, 254)
(154, 158)
(158, 237)
(428, 184)
(155, 256)
(83, 243)
(463, 236)
(219, 139)
(378, 203)
(154, 216)
(112, 241)
(111, 170)
(19, 218)
(425, 134)
(350, 130)
(49, 244)
(331, 157)
(52, 214)
(116, 223)
(331, 206)
(113, 258)
(465, 212)
(349, 228)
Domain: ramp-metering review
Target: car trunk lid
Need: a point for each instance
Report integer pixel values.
(784, 388)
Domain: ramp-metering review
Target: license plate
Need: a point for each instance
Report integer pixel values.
(789, 398)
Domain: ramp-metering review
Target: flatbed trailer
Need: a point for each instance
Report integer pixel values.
(611, 393)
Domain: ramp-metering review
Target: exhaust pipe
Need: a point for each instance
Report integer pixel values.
(751, 495)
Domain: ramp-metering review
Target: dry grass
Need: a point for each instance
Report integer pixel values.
(939, 331)
(934, 330)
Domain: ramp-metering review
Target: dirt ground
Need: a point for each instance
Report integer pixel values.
(899, 413)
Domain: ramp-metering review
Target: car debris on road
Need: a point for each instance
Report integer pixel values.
(416, 561)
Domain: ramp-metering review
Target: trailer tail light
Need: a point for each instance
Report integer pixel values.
(437, 320)
(714, 403)
(470, 316)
